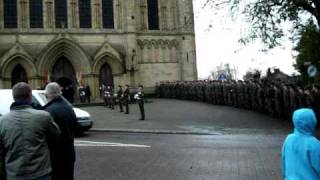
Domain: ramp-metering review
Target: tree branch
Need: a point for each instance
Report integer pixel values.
(304, 5)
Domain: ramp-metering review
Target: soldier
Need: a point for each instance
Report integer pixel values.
(119, 97)
(308, 98)
(106, 94)
(240, 91)
(140, 99)
(293, 100)
(111, 98)
(126, 98)
(316, 99)
(300, 97)
(286, 102)
(260, 96)
(278, 101)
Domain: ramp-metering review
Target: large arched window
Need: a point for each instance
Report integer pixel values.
(10, 13)
(153, 16)
(107, 14)
(36, 15)
(61, 13)
(18, 75)
(85, 13)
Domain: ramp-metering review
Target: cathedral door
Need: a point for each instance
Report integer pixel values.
(64, 74)
(18, 75)
(106, 76)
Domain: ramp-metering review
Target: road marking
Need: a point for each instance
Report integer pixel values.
(106, 144)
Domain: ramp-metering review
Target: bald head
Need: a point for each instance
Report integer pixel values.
(53, 90)
(21, 92)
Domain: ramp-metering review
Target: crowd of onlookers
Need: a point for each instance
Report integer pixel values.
(275, 98)
(37, 144)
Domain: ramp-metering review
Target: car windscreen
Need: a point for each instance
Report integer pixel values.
(6, 100)
(43, 98)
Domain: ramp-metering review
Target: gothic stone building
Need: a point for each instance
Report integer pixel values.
(111, 42)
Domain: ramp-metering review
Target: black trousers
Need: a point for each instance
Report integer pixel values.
(126, 104)
(88, 99)
(120, 105)
(141, 107)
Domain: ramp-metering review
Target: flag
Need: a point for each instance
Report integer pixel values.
(46, 76)
(79, 78)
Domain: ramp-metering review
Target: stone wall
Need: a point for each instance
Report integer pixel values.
(135, 54)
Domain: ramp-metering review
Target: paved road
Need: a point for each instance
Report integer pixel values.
(112, 156)
(246, 144)
(177, 115)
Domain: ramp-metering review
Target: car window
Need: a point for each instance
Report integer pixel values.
(6, 100)
(43, 98)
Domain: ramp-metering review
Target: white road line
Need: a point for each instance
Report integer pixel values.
(106, 144)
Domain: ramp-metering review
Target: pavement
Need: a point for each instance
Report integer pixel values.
(169, 116)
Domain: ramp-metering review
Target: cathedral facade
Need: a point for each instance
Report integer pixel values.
(95, 42)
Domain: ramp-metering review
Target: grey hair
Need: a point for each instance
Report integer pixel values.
(53, 89)
(21, 91)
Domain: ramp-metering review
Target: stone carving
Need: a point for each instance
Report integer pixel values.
(158, 50)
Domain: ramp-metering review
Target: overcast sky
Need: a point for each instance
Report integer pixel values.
(219, 44)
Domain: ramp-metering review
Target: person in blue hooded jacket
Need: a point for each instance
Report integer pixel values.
(301, 150)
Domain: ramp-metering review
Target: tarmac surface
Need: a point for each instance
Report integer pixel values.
(180, 140)
(176, 116)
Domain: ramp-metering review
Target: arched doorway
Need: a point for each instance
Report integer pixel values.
(106, 76)
(64, 74)
(18, 74)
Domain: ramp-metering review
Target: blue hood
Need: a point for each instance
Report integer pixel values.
(304, 121)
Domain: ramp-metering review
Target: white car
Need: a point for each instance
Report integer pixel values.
(39, 99)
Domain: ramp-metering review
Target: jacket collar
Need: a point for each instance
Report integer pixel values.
(56, 99)
(20, 105)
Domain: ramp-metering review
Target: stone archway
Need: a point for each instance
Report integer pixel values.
(18, 74)
(19, 67)
(64, 74)
(106, 76)
(68, 49)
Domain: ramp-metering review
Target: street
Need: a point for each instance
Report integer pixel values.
(177, 157)
(235, 144)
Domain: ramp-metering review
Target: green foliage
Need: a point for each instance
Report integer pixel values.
(268, 17)
(309, 51)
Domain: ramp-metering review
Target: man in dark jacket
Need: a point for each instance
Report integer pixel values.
(62, 151)
(87, 93)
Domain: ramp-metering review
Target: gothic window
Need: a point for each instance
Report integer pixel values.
(61, 13)
(18, 75)
(107, 14)
(36, 16)
(10, 13)
(85, 13)
(153, 17)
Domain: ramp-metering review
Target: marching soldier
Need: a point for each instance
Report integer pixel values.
(106, 94)
(119, 97)
(111, 98)
(140, 99)
(126, 98)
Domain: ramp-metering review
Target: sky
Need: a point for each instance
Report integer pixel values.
(219, 44)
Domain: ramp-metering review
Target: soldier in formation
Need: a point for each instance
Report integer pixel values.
(275, 98)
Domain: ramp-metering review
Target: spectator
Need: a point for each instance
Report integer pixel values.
(24, 152)
(301, 150)
(62, 151)
(82, 94)
(87, 93)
